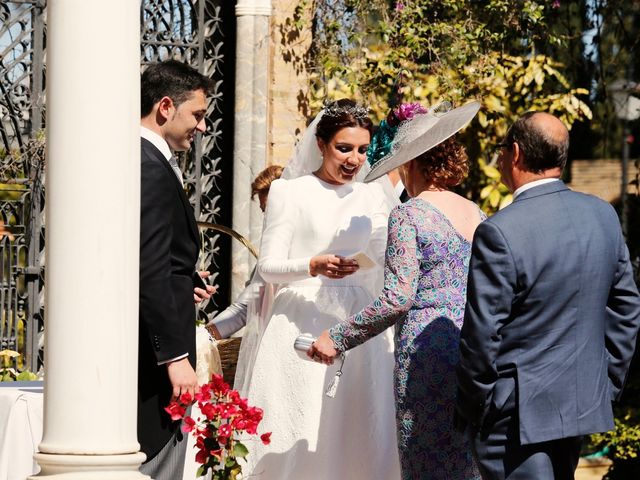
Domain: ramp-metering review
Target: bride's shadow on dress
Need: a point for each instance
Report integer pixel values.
(300, 451)
(352, 236)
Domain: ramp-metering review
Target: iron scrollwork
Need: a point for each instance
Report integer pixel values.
(191, 31)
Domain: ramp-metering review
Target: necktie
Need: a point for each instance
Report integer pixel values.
(176, 169)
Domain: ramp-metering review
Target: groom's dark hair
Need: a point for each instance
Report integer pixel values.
(172, 79)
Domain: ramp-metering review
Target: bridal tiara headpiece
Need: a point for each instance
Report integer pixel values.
(332, 109)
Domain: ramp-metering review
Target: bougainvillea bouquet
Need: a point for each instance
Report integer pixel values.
(218, 431)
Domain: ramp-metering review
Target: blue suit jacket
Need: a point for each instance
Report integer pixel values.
(552, 312)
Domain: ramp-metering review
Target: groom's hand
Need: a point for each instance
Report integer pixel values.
(202, 290)
(182, 377)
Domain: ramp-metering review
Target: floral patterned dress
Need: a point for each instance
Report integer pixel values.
(424, 294)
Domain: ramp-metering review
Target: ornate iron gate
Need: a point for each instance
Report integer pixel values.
(189, 30)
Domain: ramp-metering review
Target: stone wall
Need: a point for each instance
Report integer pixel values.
(288, 83)
(601, 178)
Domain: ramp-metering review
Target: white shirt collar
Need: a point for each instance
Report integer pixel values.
(535, 183)
(157, 141)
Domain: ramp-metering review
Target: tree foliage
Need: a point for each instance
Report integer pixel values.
(383, 53)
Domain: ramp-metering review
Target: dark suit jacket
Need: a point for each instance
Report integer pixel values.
(169, 245)
(552, 312)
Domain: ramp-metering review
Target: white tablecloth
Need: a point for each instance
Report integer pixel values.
(20, 429)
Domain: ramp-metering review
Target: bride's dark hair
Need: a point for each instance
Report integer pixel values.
(341, 114)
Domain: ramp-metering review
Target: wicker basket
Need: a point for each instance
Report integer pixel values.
(228, 349)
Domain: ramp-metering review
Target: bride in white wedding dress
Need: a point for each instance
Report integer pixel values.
(317, 219)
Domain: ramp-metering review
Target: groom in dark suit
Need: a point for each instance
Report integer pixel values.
(173, 111)
(551, 317)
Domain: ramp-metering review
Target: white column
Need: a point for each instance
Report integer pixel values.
(250, 131)
(92, 238)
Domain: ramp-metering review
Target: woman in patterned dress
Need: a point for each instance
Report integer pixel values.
(427, 259)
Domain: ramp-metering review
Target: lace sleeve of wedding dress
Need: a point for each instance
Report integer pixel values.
(274, 263)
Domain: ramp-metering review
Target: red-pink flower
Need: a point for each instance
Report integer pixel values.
(216, 453)
(234, 396)
(218, 384)
(210, 410)
(226, 410)
(202, 456)
(175, 410)
(186, 398)
(204, 394)
(239, 423)
(224, 432)
(188, 424)
(225, 416)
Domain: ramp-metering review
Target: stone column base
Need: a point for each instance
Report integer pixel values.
(89, 467)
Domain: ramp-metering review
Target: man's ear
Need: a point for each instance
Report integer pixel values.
(517, 157)
(165, 107)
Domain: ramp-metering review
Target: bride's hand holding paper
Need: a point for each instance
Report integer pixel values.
(364, 262)
(332, 266)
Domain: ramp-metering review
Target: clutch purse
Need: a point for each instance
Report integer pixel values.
(302, 344)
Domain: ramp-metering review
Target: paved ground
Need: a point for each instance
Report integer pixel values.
(592, 470)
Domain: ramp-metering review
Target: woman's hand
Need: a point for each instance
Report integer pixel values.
(332, 266)
(323, 349)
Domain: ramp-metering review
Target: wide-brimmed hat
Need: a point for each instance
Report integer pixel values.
(421, 133)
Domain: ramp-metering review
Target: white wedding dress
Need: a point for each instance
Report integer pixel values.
(314, 437)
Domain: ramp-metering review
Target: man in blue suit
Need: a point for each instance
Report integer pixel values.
(551, 318)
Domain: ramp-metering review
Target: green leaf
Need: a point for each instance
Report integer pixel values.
(26, 376)
(239, 450)
(484, 193)
(494, 198)
(491, 172)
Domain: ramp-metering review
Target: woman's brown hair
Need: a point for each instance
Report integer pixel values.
(263, 181)
(445, 165)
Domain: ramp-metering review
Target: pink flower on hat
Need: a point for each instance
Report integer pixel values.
(406, 111)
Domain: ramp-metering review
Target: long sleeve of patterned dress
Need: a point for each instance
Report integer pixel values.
(401, 274)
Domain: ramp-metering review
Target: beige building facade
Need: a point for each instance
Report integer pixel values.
(288, 80)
